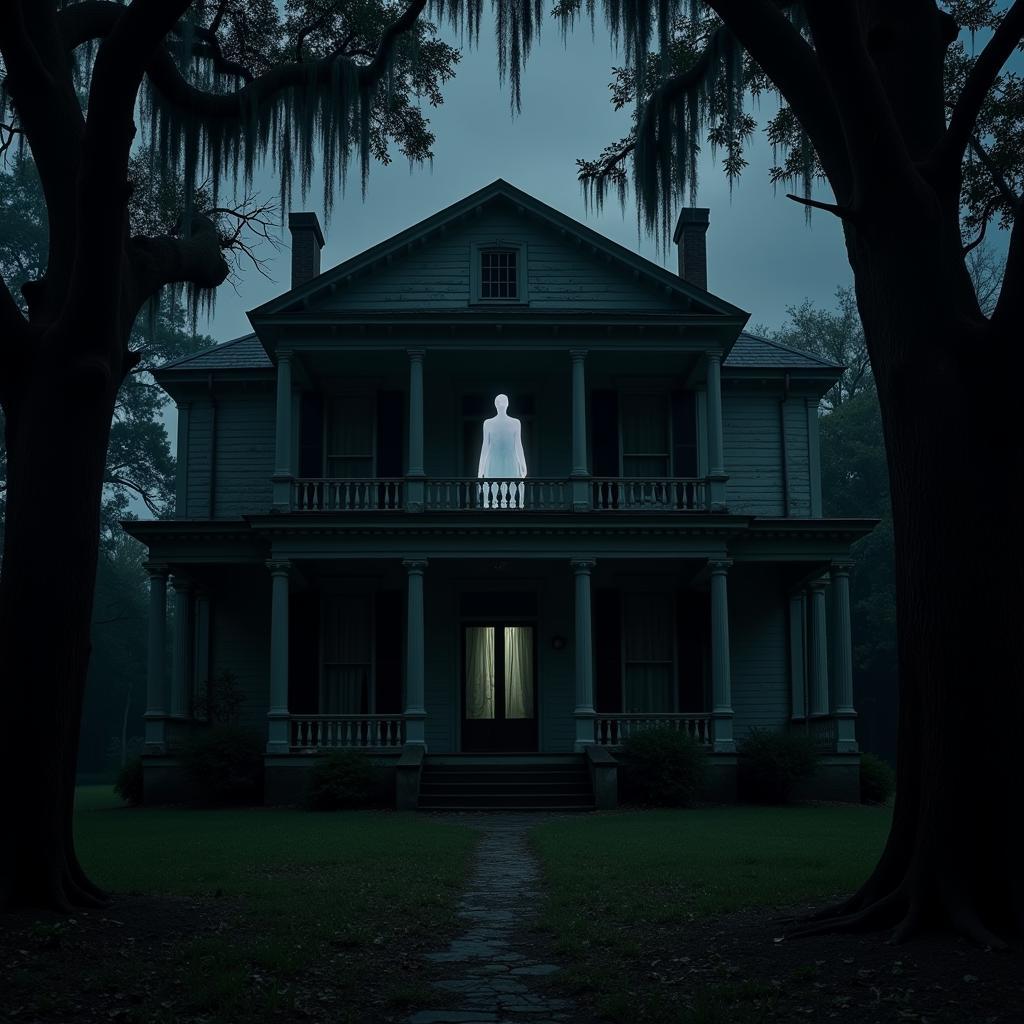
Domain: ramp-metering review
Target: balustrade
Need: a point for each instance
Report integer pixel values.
(675, 493)
(536, 493)
(612, 730)
(347, 732)
(343, 495)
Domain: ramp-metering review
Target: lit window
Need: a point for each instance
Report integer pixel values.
(499, 274)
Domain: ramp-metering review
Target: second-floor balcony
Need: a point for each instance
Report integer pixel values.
(469, 494)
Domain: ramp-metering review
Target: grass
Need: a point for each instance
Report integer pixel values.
(619, 884)
(343, 900)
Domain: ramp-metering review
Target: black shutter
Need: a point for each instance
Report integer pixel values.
(304, 652)
(390, 423)
(684, 433)
(604, 432)
(693, 631)
(607, 652)
(388, 651)
(311, 434)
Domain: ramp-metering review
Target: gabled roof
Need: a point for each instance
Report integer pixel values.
(498, 189)
(755, 352)
(749, 352)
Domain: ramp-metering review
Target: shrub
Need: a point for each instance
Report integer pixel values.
(770, 762)
(877, 780)
(225, 765)
(662, 767)
(129, 782)
(344, 778)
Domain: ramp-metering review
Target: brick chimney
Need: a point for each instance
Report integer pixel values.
(689, 235)
(307, 241)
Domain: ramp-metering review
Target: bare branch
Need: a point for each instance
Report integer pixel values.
(842, 212)
(990, 208)
(132, 486)
(979, 80)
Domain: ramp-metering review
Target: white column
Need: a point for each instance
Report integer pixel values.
(580, 469)
(818, 646)
(181, 653)
(842, 659)
(415, 654)
(416, 471)
(721, 669)
(716, 455)
(282, 478)
(584, 642)
(156, 707)
(278, 724)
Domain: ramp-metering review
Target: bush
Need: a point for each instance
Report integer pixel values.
(662, 767)
(770, 762)
(345, 778)
(129, 782)
(877, 780)
(225, 765)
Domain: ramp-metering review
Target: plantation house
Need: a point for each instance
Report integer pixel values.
(636, 539)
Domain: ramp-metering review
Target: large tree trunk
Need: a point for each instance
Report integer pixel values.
(58, 426)
(948, 385)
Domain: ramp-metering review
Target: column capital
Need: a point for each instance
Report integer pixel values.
(578, 354)
(284, 355)
(713, 355)
(414, 565)
(416, 354)
(719, 566)
(278, 566)
(817, 585)
(157, 568)
(582, 566)
(841, 567)
(181, 584)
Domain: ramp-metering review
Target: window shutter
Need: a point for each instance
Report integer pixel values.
(311, 434)
(684, 433)
(607, 652)
(304, 652)
(388, 651)
(390, 423)
(604, 433)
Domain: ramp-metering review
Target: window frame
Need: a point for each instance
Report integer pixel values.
(476, 251)
(328, 422)
(347, 594)
(624, 594)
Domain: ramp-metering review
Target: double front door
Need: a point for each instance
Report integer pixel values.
(499, 693)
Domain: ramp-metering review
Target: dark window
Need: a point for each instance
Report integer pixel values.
(499, 274)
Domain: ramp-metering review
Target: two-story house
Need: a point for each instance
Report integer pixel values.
(375, 580)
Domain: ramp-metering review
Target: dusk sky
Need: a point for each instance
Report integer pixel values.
(761, 254)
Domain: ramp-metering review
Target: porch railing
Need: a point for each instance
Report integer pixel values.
(342, 495)
(347, 732)
(612, 730)
(536, 493)
(678, 494)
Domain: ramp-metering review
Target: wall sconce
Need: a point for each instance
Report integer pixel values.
(557, 642)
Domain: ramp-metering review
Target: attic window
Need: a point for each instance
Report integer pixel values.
(498, 272)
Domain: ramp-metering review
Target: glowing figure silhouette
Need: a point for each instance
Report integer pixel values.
(502, 459)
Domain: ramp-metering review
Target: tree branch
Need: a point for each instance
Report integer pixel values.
(1010, 306)
(785, 57)
(989, 164)
(196, 260)
(979, 80)
(842, 212)
(990, 208)
(132, 486)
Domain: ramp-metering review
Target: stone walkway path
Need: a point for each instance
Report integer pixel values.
(491, 969)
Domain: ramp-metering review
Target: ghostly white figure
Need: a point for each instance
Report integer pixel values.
(502, 459)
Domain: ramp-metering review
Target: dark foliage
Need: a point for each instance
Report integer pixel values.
(129, 782)
(771, 762)
(877, 780)
(343, 779)
(662, 767)
(225, 765)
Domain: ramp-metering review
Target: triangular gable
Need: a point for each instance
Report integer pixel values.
(613, 276)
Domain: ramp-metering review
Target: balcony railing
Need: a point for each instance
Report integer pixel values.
(536, 494)
(613, 730)
(678, 494)
(347, 732)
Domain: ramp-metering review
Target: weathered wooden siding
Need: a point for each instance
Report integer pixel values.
(560, 272)
(753, 452)
(556, 673)
(197, 493)
(798, 459)
(240, 639)
(244, 459)
(758, 636)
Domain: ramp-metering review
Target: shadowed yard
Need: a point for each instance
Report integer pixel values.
(242, 915)
(676, 917)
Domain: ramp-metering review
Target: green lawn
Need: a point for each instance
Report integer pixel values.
(620, 884)
(312, 904)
